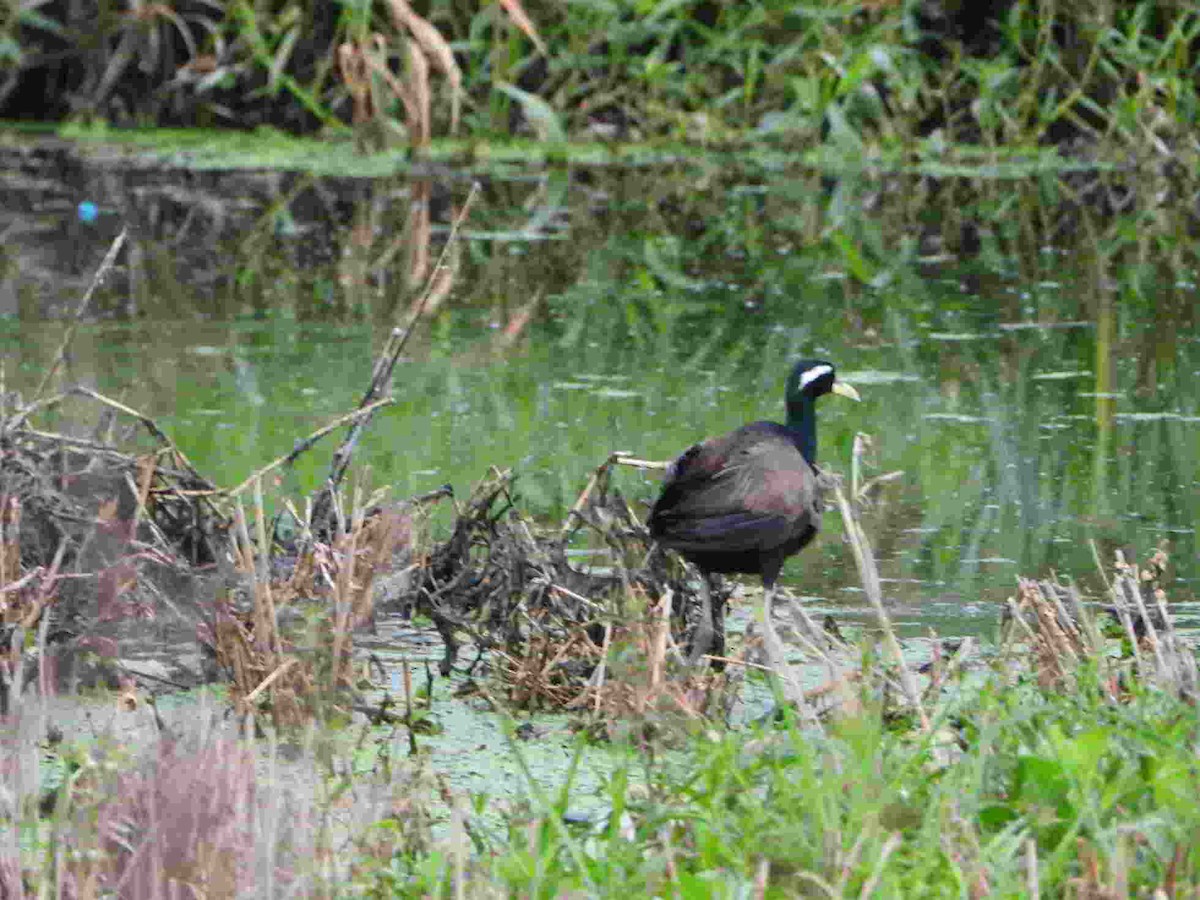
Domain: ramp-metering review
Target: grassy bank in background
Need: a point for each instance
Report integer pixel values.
(1108, 80)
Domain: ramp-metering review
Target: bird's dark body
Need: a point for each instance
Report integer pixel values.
(742, 502)
(746, 501)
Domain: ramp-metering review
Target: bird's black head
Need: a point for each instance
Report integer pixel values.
(810, 379)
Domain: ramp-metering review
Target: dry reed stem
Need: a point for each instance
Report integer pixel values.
(435, 47)
(869, 573)
(1127, 591)
(889, 847)
(10, 547)
(1086, 621)
(270, 679)
(101, 271)
(347, 567)
(150, 424)
(352, 67)
(521, 19)
(1032, 881)
(516, 324)
(418, 73)
(351, 418)
(598, 476)
(255, 568)
(443, 281)
(602, 669)
(262, 571)
(1175, 663)
(49, 582)
(418, 232)
(147, 467)
(776, 656)
(1061, 637)
(658, 645)
(345, 556)
(381, 376)
(21, 416)
(621, 458)
(179, 470)
(451, 240)
(1058, 646)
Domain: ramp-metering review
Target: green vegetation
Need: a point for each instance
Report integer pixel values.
(1057, 761)
(1099, 80)
(1017, 789)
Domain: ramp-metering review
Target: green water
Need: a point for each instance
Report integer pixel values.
(1027, 356)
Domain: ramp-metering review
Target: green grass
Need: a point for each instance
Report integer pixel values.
(854, 79)
(1015, 783)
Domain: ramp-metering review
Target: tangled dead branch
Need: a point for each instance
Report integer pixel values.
(510, 588)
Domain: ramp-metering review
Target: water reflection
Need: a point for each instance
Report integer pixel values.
(1030, 362)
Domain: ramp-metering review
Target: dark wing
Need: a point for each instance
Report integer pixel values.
(748, 490)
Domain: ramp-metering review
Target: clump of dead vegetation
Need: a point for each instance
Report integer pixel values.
(553, 630)
(1061, 633)
(113, 544)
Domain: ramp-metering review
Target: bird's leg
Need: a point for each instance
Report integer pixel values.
(774, 651)
(702, 637)
(772, 645)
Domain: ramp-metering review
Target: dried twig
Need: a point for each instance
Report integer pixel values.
(303, 445)
(869, 573)
(101, 271)
(435, 48)
(382, 375)
(270, 679)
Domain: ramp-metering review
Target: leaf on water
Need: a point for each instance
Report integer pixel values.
(876, 376)
(956, 417)
(1042, 326)
(1061, 376)
(958, 336)
(615, 393)
(1155, 417)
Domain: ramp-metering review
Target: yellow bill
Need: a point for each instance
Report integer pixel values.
(840, 387)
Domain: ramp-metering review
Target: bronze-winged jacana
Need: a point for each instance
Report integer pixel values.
(746, 501)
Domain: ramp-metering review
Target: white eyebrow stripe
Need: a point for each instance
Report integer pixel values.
(811, 375)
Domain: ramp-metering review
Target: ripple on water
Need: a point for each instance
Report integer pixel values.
(959, 418)
(1061, 376)
(960, 336)
(877, 376)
